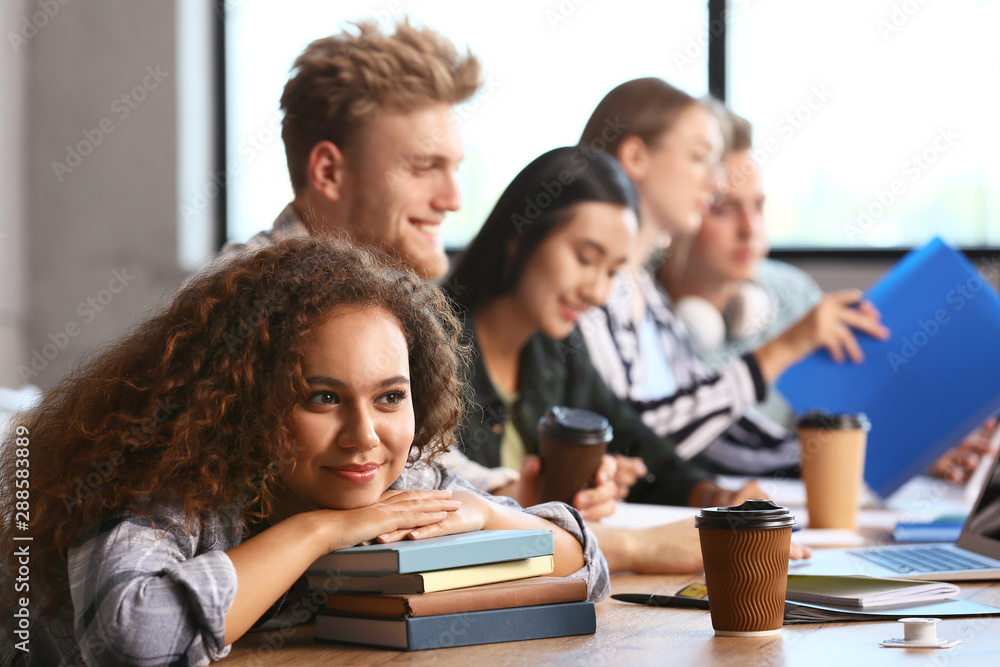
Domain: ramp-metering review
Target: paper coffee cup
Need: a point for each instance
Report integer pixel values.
(832, 467)
(745, 550)
(571, 443)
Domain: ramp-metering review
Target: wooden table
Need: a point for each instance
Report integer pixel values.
(635, 635)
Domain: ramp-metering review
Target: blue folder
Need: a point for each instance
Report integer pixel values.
(935, 380)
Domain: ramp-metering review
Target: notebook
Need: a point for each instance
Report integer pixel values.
(434, 580)
(932, 382)
(976, 555)
(866, 592)
(436, 553)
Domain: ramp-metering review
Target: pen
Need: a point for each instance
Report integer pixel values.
(662, 600)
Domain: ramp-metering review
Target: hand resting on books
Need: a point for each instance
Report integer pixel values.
(472, 513)
(478, 513)
(395, 512)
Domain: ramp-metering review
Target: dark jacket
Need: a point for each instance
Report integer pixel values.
(560, 372)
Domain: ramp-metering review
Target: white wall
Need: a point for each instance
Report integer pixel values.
(100, 236)
(13, 247)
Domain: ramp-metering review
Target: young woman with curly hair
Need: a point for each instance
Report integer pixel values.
(183, 479)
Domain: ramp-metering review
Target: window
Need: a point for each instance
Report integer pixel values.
(875, 121)
(546, 64)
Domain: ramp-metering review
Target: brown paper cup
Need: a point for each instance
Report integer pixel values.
(567, 467)
(746, 572)
(832, 466)
(745, 550)
(571, 443)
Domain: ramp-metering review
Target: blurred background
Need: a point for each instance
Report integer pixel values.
(135, 138)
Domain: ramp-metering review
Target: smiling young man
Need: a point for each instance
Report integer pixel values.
(371, 141)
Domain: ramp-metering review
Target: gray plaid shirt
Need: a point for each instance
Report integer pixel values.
(288, 225)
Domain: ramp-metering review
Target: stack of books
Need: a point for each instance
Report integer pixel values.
(481, 587)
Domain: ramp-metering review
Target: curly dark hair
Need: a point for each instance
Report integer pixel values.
(193, 405)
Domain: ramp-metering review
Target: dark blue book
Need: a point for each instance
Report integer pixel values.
(437, 553)
(466, 629)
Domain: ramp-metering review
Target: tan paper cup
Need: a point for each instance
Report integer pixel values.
(571, 443)
(832, 467)
(745, 549)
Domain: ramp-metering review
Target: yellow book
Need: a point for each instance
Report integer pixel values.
(437, 580)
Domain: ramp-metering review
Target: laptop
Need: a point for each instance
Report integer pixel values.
(976, 555)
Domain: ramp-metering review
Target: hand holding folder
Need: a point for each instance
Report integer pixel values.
(934, 381)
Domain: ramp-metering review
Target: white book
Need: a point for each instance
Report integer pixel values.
(865, 592)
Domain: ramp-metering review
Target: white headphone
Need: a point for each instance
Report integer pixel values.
(749, 314)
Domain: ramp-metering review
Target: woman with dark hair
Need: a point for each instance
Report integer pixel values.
(549, 251)
(552, 189)
(283, 405)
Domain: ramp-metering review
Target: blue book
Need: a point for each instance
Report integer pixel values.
(932, 383)
(437, 553)
(465, 629)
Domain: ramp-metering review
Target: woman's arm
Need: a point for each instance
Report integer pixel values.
(268, 564)
(594, 503)
(478, 513)
(165, 589)
(576, 549)
(143, 594)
